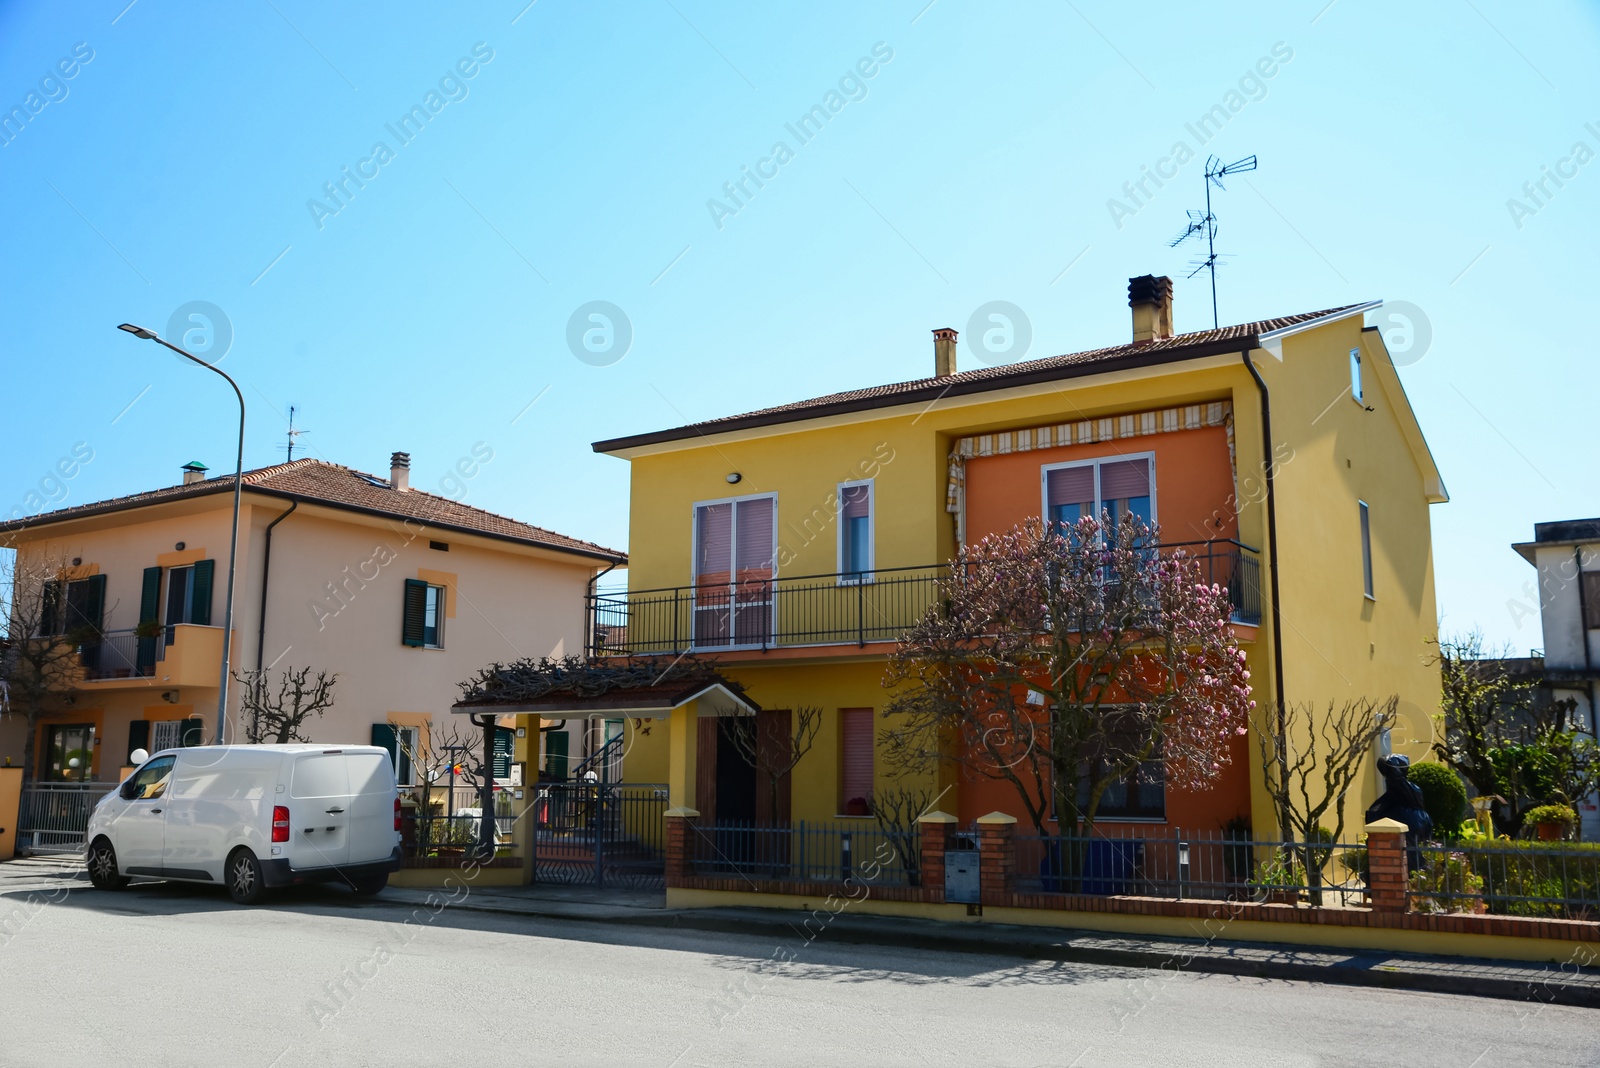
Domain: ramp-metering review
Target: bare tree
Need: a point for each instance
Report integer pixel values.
(899, 810)
(774, 754)
(1310, 760)
(441, 749)
(279, 717)
(42, 656)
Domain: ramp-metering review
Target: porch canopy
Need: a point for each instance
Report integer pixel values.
(602, 688)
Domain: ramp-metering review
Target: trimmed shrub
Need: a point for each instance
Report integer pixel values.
(1442, 795)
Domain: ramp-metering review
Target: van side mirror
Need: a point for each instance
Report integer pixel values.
(129, 789)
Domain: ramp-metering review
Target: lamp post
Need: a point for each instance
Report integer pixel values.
(233, 539)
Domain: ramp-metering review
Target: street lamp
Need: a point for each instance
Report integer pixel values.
(233, 540)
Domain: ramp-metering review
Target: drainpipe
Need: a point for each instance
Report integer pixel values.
(588, 620)
(261, 624)
(1272, 548)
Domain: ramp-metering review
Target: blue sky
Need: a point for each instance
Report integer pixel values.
(576, 163)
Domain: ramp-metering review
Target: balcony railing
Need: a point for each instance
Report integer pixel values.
(832, 609)
(120, 654)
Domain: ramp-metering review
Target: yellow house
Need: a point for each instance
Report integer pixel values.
(402, 592)
(794, 544)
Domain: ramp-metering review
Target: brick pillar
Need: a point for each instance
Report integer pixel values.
(997, 857)
(936, 827)
(1387, 876)
(680, 844)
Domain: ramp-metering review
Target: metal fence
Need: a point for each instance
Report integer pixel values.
(1509, 878)
(1208, 865)
(54, 816)
(430, 841)
(119, 654)
(601, 834)
(809, 852)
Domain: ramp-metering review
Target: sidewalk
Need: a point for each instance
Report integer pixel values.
(1509, 980)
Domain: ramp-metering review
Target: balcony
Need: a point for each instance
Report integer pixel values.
(757, 615)
(181, 655)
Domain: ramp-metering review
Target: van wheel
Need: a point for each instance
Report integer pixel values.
(370, 884)
(244, 877)
(102, 863)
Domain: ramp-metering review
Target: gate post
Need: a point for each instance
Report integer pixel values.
(935, 837)
(997, 857)
(1387, 876)
(10, 810)
(680, 833)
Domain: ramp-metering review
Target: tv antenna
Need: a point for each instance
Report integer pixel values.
(294, 436)
(1206, 222)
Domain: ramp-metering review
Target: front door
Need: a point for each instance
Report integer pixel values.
(69, 752)
(139, 831)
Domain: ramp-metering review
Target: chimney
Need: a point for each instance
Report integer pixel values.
(193, 471)
(400, 471)
(1150, 298)
(944, 352)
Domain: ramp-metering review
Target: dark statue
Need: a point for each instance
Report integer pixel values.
(1402, 800)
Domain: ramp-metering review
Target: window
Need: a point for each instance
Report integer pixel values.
(188, 595)
(855, 532)
(180, 589)
(1366, 552)
(74, 605)
(69, 752)
(402, 744)
(1355, 376)
(422, 617)
(855, 761)
(150, 781)
(1117, 486)
(735, 546)
(1141, 794)
(175, 734)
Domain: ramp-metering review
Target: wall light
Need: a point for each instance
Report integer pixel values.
(734, 478)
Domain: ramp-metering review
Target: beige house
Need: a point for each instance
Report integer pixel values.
(403, 593)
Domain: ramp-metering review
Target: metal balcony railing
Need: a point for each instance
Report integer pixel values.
(120, 654)
(832, 609)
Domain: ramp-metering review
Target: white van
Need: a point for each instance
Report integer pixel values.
(251, 817)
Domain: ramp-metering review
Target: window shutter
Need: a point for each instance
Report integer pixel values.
(1591, 600)
(94, 608)
(200, 592)
(150, 595)
(555, 755)
(383, 735)
(504, 739)
(193, 733)
(854, 501)
(754, 532)
(715, 533)
(855, 734)
(1070, 485)
(1123, 479)
(415, 613)
(138, 737)
(50, 608)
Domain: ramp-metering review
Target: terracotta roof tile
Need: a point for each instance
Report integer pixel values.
(1170, 349)
(319, 482)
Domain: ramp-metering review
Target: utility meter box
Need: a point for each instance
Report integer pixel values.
(961, 870)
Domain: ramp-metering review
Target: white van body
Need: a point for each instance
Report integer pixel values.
(185, 812)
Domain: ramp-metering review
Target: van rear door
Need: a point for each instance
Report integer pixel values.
(319, 810)
(371, 815)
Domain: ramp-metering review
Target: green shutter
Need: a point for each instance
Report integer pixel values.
(150, 595)
(194, 733)
(504, 740)
(384, 734)
(50, 617)
(415, 612)
(94, 609)
(555, 755)
(200, 592)
(138, 737)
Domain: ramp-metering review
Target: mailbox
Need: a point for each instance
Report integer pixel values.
(961, 870)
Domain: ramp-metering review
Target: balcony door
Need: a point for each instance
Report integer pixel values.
(735, 546)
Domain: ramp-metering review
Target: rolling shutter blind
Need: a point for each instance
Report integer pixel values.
(414, 612)
(855, 739)
(753, 529)
(715, 540)
(200, 592)
(1069, 485)
(855, 501)
(1123, 479)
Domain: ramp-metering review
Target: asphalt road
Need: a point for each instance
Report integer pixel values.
(178, 976)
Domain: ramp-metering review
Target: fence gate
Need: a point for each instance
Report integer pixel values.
(601, 834)
(54, 816)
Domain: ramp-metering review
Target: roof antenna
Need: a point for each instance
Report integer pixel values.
(294, 436)
(1206, 223)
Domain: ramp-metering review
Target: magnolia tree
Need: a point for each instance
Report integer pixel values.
(1062, 660)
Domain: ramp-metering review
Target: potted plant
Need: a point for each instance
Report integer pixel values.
(1550, 822)
(1279, 879)
(857, 806)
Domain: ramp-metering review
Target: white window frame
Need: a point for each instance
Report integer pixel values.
(186, 611)
(733, 555)
(1099, 502)
(1357, 393)
(867, 574)
(1368, 585)
(438, 625)
(407, 740)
